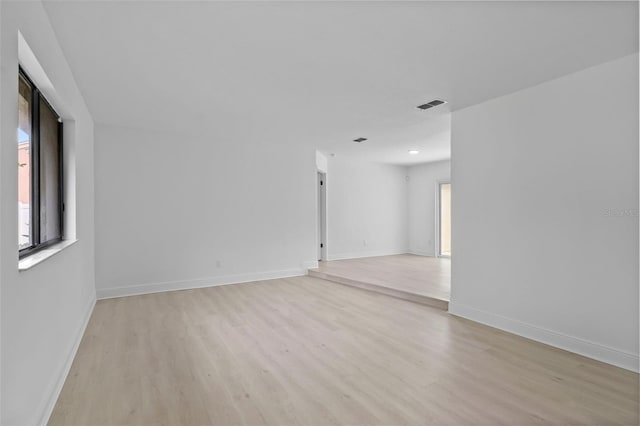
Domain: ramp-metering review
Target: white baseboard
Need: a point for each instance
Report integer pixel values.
(577, 345)
(422, 253)
(361, 254)
(137, 289)
(313, 264)
(49, 403)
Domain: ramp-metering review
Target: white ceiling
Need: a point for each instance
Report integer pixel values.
(325, 73)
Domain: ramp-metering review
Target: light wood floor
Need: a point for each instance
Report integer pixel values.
(305, 351)
(422, 275)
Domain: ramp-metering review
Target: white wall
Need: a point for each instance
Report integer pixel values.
(423, 181)
(321, 162)
(176, 210)
(366, 202)
(43, 309)
(1, 216)
(539, 179)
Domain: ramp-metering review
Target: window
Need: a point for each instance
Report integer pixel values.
(40, 206)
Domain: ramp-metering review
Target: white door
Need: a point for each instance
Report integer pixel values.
(444, 219)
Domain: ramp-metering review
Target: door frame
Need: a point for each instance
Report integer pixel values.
(437, 233)
(321, 235)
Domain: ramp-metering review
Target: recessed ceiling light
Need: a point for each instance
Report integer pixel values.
(431, 104)
(414, 152)
(360, 140)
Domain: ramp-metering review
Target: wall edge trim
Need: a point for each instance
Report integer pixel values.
(160, 287)
(49, 403)
(593, 350)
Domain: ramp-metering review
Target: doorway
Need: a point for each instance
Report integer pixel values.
(444, 219)
(322, 216)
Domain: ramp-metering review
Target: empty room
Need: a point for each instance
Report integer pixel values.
(384, 210)
(319, 213)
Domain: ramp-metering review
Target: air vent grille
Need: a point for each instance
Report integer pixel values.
(431, 104)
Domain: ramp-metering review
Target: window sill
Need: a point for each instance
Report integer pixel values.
(42, 255)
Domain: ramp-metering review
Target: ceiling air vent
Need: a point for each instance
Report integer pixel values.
(360, 140)
(431, 104)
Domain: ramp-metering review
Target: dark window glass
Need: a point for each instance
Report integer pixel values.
(39, 170)
(49, 174)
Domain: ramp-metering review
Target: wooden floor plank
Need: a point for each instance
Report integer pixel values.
(420, 279)
(304, 351)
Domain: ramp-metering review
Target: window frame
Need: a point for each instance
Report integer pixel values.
(34, 188)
